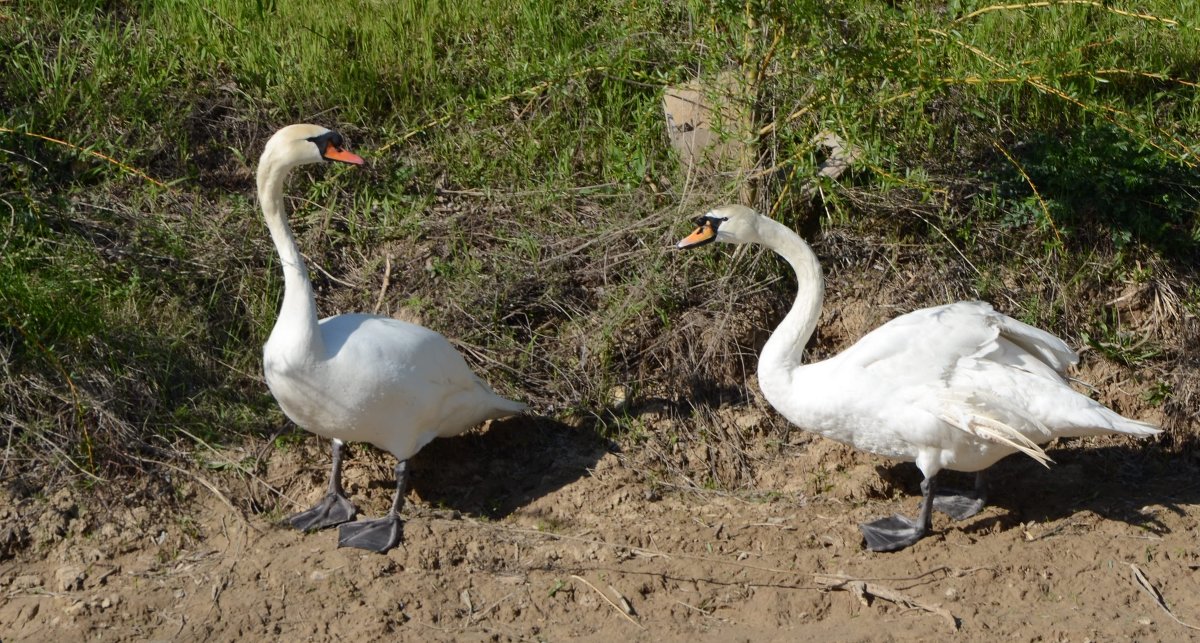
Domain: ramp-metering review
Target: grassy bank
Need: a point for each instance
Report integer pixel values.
(520, 194)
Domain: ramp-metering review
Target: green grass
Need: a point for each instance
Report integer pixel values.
(519, 180)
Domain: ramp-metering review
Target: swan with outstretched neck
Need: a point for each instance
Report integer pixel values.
(357, 377)
(956, 387)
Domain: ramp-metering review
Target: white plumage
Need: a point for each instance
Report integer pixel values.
(356, 377)
(954, 387)
(379, 380)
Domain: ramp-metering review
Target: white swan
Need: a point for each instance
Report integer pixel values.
(355, 377)
(954, 387)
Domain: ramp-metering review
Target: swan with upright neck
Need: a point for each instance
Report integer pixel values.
(357, 377)
(956, 387)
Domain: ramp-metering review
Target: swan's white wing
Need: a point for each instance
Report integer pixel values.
(393, 384)
(1030, 341)
(927, 343)
(977, 372)
(418, 379)
(985, 392)
(923, 345)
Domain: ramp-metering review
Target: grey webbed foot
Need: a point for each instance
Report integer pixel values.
(961, 505)
(892, 533)
(897, 532)
(957, 505)
(333, 509)
(381, 534)
(378, 535)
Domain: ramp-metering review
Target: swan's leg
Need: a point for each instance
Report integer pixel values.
(961, 505)
(897, 532)
(381, 534)
(334, 508)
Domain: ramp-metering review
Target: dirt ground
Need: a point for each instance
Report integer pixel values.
(532, 530)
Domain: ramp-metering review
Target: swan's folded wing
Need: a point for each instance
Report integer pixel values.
(1035, 342)
(928, 343)
(1009, 404)
(925, 345)
(981, 372)
(1012, 342)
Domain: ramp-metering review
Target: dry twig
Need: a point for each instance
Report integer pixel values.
(127, 168)
(1142, 581)
(608, 600)
(864, 591)
(387, 280)
(1058, 3)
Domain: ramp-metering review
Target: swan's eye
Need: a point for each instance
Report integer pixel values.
(332, 148)
(709, 221)
(329, 141)
(320, 140)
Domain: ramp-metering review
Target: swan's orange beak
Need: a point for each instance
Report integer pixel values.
(345, 156)
(706, 233)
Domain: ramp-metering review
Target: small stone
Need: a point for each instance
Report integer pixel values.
(105, 603)
(952, 594)
(70, 578)
(318, 575)
(75, 608)
(618, 397)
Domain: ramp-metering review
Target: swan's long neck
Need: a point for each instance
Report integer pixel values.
(784, 351)
(297, 322)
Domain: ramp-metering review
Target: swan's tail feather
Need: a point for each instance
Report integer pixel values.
(496, 405)
(1137, 428)
(1105, 421)
(505, 407)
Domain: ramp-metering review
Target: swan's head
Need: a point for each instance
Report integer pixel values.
(728, 223)
(303, 144)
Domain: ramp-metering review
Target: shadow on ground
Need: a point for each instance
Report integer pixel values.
(1124, 483)
(493, 472)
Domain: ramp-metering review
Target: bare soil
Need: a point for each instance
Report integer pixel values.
(712, 523)
(532, 530)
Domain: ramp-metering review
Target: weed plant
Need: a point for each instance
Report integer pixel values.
(520, 197)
